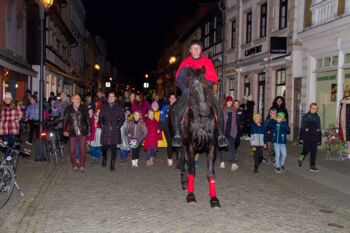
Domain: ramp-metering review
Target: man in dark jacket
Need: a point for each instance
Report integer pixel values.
(76, 126)
(310, 136)
(166, 126)
(111, 119)
(196, 60)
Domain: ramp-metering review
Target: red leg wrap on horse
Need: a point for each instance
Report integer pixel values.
(212, 190)
(190, 184)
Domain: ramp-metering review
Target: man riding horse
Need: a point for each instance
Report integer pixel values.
(196, 60)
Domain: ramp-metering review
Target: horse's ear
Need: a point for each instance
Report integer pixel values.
(203, 70)
(190, 72)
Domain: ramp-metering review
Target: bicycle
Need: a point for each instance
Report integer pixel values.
(51, 140)
(8, 168)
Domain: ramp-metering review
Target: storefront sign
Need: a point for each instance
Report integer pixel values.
(252, 51)
(278, 45)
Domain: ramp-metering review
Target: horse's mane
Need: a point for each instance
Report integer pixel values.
(192, 74)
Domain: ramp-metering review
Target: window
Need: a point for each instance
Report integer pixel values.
(233, 34)
(232, 87)
(327, 62)
(283, 14)
(246, 86)
(347, 58)
(263, 20)
(218, 29)
(249, 28)
(211, 32)
(334, 60)
(281, 82)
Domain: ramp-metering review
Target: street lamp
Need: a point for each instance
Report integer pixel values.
(146, 75)
(97, 67)
(43, 5)
(172, 60)
(110, 79)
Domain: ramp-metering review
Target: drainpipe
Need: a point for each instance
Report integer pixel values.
(222, 8)
(340, 80)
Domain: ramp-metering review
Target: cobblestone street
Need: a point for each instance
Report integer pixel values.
(150, 199)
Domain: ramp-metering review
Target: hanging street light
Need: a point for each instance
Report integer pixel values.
(97, 67)
(172, 60)
(45, 3)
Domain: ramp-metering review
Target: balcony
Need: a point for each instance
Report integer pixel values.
(323, 11)
(347, 6)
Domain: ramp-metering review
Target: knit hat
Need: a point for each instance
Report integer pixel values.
(228, 98)
(196, 42)
(257, 115)
(155, 105)
(8, 95)
(281, 115)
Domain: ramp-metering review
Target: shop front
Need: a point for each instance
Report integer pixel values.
(14, 82)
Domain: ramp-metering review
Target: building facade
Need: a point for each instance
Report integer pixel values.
(326, 64)
(74, 17)
(14, 67)
(253, 66)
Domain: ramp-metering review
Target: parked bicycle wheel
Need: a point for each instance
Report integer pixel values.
(7, 181)
(51, 152)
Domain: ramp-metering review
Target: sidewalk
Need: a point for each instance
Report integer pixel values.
(332, 174)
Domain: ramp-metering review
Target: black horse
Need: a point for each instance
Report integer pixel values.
(199, 133)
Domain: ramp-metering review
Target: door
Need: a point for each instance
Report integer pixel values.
(298, 109)
(261, 94)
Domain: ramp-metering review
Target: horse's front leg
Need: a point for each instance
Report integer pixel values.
(191, 174)
(214, 201)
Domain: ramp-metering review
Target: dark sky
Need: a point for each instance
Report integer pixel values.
(135, 30)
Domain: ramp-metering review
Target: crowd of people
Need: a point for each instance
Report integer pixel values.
(129, 122)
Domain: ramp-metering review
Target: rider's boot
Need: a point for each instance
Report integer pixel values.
(177, 141)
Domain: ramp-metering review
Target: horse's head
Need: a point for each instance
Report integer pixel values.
(199, 90)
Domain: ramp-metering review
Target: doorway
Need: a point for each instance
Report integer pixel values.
(261, 94)
(298, 111)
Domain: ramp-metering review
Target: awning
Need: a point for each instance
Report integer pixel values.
(69, 78)
(14, 64)
(57, 70)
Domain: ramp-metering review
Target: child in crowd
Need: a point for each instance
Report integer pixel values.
(124, 147)
(161, 140)
(280, 128)
(270, 153)
(152, 137)
(310, 136)
(231, 125)
(136, 132)
(257, 141)
(93, 139)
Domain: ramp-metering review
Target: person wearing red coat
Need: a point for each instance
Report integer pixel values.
(93, 139)
(152, 137)
(196, 60)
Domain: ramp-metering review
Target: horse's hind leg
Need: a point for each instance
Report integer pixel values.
(191, 174)
(214, 201)
(183, 168)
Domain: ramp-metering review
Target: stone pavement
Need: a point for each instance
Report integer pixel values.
(150, 199)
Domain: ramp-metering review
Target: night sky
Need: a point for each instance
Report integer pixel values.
(135, 30)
